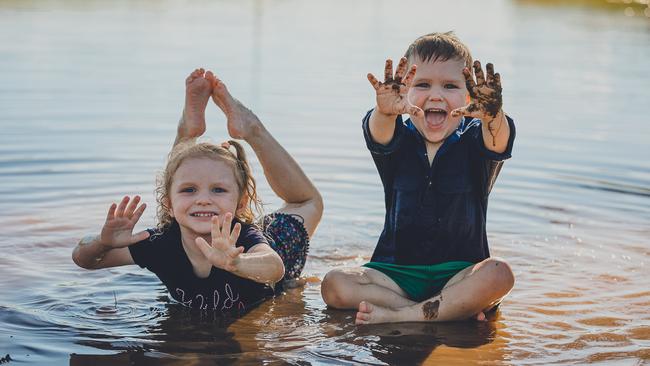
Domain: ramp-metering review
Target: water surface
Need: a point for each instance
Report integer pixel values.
(90, 93)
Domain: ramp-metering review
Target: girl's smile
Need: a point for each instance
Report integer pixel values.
(202, 188)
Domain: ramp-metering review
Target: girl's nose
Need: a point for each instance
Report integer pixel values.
(202, 199)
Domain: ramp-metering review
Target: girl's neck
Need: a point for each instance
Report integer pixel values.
(188, 239)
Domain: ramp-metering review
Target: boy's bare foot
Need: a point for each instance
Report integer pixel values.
(374, 314)
(197, 93)
(242, 122)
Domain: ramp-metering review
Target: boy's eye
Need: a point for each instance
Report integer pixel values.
(451, 86)
(422, 85)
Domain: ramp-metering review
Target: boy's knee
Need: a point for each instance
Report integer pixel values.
(333, 289)
(501, 277)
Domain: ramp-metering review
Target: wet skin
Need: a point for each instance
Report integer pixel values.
(486, 96)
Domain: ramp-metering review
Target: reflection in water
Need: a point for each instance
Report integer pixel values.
(179, 336)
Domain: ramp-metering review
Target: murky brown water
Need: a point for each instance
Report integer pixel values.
(90, 93)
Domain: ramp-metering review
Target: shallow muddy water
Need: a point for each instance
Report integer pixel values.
(90, 93)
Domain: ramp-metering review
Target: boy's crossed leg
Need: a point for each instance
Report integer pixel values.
(470, 293)
(346, 288)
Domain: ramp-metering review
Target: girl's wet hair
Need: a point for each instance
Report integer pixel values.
(193, 149)
(434, 47)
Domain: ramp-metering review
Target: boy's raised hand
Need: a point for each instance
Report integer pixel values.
(485, 93)
(222, 252)
(391, 94)
(118, 228)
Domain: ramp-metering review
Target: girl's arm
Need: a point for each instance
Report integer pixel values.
(90, 253)
(261, 264)
(109, 249)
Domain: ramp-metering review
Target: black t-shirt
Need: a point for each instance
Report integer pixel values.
(163, 254)
(435, 212)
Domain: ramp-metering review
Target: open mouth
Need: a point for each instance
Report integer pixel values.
(203, 214)
(435, 116)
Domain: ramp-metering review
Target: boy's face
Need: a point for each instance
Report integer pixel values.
(438, 88)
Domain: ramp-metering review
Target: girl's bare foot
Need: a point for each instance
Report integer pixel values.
(242, 122)
(197, 93)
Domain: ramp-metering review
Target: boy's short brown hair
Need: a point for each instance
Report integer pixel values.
(439, 47)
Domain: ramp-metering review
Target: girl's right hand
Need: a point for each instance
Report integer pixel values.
(223, 251)
(392, 93)
(118, 228)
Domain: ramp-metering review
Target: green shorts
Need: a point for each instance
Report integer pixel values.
(420, 282)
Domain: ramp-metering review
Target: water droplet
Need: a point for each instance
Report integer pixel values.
(106, 310)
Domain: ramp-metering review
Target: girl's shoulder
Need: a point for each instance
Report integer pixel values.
(250, 235)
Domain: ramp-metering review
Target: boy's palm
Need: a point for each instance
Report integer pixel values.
(392, 93)
(485, 93)
(222, 252)
(118, 228)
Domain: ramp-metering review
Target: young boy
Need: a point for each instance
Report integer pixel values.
(432, 261)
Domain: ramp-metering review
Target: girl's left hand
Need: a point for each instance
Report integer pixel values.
(222, 252)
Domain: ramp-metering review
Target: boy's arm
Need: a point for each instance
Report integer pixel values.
(391, 96)
(109, 249)
(487, 104)
(496, 133)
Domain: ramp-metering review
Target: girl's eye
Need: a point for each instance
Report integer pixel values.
(187, 190)
(218, 190)
(451, 86)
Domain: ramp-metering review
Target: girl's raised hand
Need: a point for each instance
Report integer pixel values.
(118, 228)
(391, 94)
(222, 252)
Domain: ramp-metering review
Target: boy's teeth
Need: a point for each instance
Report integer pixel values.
(203, 214)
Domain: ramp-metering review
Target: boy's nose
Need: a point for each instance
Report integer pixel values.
(435, 97)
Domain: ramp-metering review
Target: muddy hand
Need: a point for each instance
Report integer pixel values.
(392, 92)
(485, 93)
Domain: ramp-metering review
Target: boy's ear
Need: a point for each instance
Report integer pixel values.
(467, 99)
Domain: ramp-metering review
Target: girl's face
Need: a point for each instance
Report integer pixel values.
(201, 188)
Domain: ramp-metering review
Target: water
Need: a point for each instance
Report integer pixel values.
(90, 93)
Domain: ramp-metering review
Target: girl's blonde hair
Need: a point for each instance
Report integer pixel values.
(193, 149)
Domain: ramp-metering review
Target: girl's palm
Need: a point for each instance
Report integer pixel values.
(222, 252)
(118, 228)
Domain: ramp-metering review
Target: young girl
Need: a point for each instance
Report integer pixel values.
(206, 249)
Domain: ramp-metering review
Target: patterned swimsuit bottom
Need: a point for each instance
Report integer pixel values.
(288, 237)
